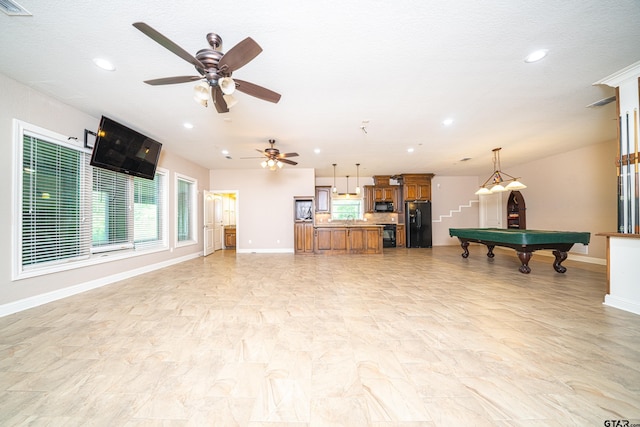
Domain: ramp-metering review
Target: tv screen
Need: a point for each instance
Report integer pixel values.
(124, 150)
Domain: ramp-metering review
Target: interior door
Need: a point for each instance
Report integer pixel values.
(209, 222)
(218, 222)
(491, 211)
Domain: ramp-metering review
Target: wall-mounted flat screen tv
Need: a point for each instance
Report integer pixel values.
(124, 150)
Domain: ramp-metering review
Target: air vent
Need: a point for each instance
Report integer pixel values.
(12, 8)
(600, 103)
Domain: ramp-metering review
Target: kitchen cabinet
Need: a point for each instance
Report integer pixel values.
(303, 219)
(374, 193)
(400, 236)
(331, 240)
(303, 237)
(323, 199)
(416, 187)
(337, 240)
(369, 203)
(229, 237)
(383, 194)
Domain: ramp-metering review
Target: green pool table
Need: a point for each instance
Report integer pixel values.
(523, 241)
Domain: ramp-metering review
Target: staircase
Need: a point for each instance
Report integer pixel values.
(455, 211)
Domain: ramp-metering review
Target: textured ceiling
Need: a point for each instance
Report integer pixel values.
(404, 66)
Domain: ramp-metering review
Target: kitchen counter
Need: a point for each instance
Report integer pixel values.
(347, 225)
(338, 238)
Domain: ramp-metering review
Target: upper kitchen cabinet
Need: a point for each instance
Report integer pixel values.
(384, 194)
(369, 203)
(416, 187)
(323, 199)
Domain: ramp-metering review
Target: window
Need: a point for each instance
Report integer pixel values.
(186, 204)
(68, 210)
(127, 211)
(53, 227)
(346, 209)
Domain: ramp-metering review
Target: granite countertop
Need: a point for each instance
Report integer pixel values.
(337, 224)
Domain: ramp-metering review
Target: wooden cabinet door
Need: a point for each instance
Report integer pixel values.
(400, 236)
(373, 240)
(323, 199)
(378, 194)
(388, 194)
(417, 191)
(298, 236)
(303, 237)
(424, 191)
(410, 192)
(369, 201)
(339, 240)
(322, 240)
(357, 240)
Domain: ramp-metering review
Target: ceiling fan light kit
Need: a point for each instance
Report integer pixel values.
(494, 184)
(215, 69)
(273, 158)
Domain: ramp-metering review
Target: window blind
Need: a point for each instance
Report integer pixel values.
(54, 212)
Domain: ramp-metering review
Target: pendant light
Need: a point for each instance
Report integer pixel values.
(357, 178)
(334, 189)
(493, 184)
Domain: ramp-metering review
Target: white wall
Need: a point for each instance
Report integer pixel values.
(265, 204)
(20, 102)
(453, 205)
(573, 191)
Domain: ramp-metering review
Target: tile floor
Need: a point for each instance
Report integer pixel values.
(414, 337)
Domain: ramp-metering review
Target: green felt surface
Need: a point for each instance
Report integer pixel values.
(521, 237)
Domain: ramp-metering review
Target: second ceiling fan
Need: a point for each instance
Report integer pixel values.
(215, 69)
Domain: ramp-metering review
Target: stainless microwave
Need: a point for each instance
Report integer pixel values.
(383, 207)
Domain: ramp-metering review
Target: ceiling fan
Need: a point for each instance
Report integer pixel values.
(215, 69)
(273, 157)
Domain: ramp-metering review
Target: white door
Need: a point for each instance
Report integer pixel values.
(209, 222)
(491, 211)
(218, 223)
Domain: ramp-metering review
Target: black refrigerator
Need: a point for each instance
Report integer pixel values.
(418, 224)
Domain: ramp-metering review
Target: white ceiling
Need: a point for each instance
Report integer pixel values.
(404, 66)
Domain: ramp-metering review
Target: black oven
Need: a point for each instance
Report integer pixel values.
(389, 236)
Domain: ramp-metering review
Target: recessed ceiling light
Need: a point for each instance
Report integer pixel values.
(447, 122)
(536, 55)
(188, 125)
(225, 152)
(317, 151)
(410, 150)
(104, 64)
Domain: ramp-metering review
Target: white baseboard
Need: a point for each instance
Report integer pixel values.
(265, 251)
(37, 300)
(622, 304)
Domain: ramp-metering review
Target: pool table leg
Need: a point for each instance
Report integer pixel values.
(560, 256)
(524, 259)
(465, 246)
(490, 253)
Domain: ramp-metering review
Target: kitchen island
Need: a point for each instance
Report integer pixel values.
(347, 238)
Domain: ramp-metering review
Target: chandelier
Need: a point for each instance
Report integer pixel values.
(494, 184)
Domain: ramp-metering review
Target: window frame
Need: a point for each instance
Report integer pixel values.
(193, 217)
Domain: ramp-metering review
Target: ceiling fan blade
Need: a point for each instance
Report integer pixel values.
(291, 162)
(218, 99)
(262, 152)
(257, 91)
(168, 44)
(172, 80)
(240, 55)
(283, 155)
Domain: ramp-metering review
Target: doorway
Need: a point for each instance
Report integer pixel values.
(228, 223)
